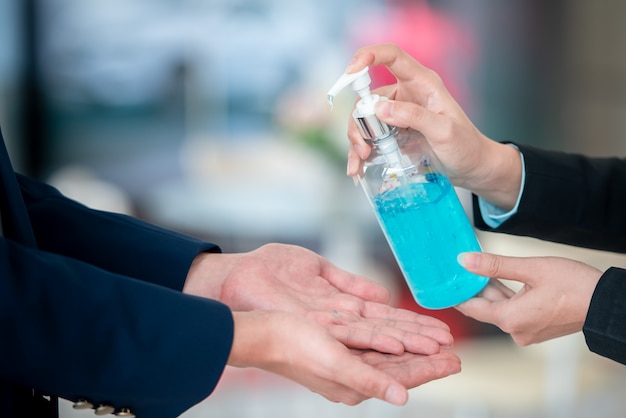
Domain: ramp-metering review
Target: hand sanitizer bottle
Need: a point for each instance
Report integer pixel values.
(415, 204)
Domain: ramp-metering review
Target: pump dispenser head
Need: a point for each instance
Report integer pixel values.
(364, 114)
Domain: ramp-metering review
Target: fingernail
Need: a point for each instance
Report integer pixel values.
(468, 260)
(350, 169)
(384, 109)
(396, 394)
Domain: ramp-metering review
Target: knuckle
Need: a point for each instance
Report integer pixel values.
(414, 112)
(494, 266)
(433, 77)
(510, 326)
(522, 340)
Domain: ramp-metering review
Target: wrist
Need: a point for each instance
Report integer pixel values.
(253, 340)
(501, 182)
(205, 277)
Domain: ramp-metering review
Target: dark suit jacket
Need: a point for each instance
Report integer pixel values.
(91, 308)
(579, 201)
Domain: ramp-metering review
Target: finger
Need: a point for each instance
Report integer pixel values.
(401, 64)
(408, 327)
(361, 148)
(519, 269)
(372, 382)
(362, 339)
(413, 370)
(354, 284)
(425, 84)
(355, 163)
(372, 310)
(481, 309)
(496, 291)
(411, 115)
(392, 340)
(358, 333)
(417, 339)
(384, 335)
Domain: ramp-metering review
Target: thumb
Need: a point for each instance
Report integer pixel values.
(499, 267)
(371, 382)
(382, 386)
(396, 394)
(354, 284)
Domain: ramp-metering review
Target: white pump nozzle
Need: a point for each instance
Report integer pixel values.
(360, 82)
(364, 114)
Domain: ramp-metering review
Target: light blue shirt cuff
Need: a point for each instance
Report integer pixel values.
(495, 216)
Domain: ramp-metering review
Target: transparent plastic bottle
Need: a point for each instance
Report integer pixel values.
(415, 204)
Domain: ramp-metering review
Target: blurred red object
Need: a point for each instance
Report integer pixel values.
(435, 38)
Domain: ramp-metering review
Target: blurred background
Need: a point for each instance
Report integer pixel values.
(210, 117)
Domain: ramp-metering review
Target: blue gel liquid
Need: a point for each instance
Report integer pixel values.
(427, 228)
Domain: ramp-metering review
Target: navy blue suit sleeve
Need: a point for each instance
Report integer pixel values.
(576, 200)
(77, 331)
(115, 242)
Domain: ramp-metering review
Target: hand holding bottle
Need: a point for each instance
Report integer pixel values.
(414, 202)
(553, 301)
(420, 101)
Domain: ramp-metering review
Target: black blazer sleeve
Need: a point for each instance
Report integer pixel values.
(94, 311)
(581, 201)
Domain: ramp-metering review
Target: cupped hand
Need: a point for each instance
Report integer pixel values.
(413, 370)
(552, 302)
(303, 351)
(278, 277)
(420, 101)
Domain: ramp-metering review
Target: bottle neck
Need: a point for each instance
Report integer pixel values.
(382, 140)
(370, 126)
(389, 148)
